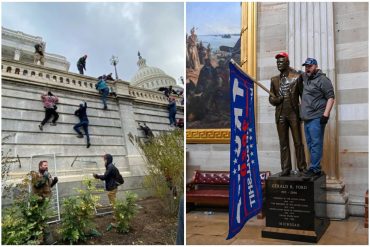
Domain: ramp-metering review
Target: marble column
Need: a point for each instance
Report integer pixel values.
(311, 34)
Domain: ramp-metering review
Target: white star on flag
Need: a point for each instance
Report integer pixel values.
(236, 150)
(250, 129)
(250, 138)
(235, 161)
(252, 161)
(234, 171)
(251, 146)
(252, 154)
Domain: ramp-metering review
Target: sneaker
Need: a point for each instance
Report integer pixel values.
(88, 145)
(304, 170)
(80, 136)
(311, 173)
(40, 127)
(53, 124)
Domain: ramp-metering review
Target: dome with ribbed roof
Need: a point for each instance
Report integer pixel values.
(151, 77)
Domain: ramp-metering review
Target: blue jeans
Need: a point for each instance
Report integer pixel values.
(85, 126)
(172, 118)
(105, 93)
(314, 132)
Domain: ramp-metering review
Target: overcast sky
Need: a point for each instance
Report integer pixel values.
(101, 30)
(213, 18)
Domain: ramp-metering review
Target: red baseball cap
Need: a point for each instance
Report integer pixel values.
(282, 54)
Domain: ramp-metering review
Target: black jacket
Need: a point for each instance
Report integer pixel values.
(81, 112)
(110, 175)
(82, 62)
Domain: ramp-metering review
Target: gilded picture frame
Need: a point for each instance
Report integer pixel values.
(248, 63)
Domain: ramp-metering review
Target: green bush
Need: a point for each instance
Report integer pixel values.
(6, 164)
(78, 213)
(164, 156)
(124, 211)
(25, 221)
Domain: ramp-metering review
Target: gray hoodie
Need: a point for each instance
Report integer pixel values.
(317, 89)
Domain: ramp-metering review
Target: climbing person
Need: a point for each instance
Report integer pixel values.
(109, 77)
(49, 100)
(147, 131)
(81, 64)
(84, 122)
(172, 111)
(103, 89)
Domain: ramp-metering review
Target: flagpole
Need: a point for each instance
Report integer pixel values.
(254, 80)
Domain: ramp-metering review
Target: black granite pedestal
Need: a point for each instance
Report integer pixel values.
(296, 208)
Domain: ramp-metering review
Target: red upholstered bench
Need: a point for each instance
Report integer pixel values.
(212, 188)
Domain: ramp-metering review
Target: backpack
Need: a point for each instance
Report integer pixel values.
(119, 178)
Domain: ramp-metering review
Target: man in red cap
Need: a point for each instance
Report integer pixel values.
(287, 88)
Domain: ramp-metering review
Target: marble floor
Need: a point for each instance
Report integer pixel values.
(203, 229)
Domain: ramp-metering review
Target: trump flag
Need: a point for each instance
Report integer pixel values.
(245, 193)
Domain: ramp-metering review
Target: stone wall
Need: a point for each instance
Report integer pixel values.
(352, 68)
(22, 112)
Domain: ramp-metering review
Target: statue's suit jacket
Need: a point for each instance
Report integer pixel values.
(295, 90)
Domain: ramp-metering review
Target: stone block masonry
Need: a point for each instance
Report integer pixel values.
(22, 112)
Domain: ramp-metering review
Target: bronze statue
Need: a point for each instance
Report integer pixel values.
(39, 53)
(287, 88)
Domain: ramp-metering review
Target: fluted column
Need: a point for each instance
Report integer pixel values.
(311, 34)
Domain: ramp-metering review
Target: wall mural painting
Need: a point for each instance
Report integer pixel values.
(212, 40)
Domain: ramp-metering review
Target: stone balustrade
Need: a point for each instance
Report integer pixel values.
(47, 76)
(149, 95)
(71, 81)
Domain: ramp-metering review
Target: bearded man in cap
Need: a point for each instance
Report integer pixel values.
(317, 102)
(287, 88)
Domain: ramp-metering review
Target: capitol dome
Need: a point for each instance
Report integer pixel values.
(151, 77)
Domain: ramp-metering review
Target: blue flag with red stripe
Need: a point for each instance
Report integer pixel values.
(245, 192)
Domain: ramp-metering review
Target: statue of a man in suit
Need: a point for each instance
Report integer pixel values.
(287, 88)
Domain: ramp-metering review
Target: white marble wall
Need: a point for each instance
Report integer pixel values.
(22, 112)
(351, 27)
